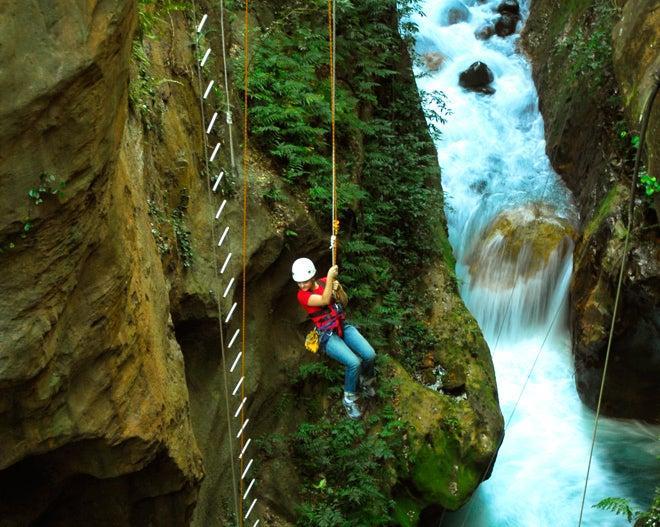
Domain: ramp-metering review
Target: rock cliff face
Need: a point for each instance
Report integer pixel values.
(94, 419)
(112, 394)
(593, 66)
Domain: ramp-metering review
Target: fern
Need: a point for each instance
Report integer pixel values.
(619, 506)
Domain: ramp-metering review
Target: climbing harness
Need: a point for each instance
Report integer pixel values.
(330, 317)
(624, 259)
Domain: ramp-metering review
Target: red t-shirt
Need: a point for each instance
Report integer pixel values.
(303, 296)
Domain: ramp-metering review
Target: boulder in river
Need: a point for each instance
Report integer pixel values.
(522, 240)
(506, 24)
(477, 78)
(509, 6)
(455, 13)
(433, 60)
(484, 32)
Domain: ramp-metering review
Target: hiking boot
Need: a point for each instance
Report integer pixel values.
(350, 404)
(367, 386)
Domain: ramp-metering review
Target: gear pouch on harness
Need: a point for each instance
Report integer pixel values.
(312, 341)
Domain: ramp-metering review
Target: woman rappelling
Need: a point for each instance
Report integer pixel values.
(337, 339)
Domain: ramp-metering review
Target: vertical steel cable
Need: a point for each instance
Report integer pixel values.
(246, 52)
(217, 279)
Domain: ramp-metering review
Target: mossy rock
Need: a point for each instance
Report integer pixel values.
(451, 441)
(523, 239)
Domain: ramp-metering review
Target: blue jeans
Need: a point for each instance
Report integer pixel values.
(353, 351)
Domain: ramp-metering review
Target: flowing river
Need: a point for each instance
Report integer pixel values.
(501, 192)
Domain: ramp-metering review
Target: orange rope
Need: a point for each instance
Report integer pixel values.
(335, 221)
(245, 191)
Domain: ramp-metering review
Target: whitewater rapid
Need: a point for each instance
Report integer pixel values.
(492, 157)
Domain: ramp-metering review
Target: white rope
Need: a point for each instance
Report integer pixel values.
(224, 67)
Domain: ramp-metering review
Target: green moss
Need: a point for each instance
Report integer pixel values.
(406, 511)
(569, 11)
(607, 206)
(447, 252)
(441, 475)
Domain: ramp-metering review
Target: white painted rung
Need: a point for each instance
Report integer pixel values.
(206, 57)
(215, 152)
(224, 235)
(231, 312)
(210, 126)
(201, 24)
(233, 366)
(238, 386)
(248, 489)
(224, 265)
(208, 89)
(255, 523)
(218, 180)
(248, 466)
(238, 411)
(250, 509)
(240, 456)
(241, 431)
(222, 206)
(231, 283)
(233, 338)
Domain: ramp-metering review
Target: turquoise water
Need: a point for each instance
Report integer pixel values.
(492, 155)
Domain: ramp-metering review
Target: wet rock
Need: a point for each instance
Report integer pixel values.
(479, 186)
(433, 60)
(454, 13)
(506, 24)
(94, 409)
(579, 140)
(484, 32)
(524, 239)
(477, 78)
(510, 7)
(463, 443)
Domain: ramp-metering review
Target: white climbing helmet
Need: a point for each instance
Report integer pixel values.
(303, 269)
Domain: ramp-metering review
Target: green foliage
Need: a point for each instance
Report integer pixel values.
(590, 48)
(274, 195)
(619, 506)
(142, 88)
(386, 170)
(622, 506)
(48, 185)
(181, 231)
(176, 222)
(628, 145)
(349, 466)
(649, 183)
(317, 371)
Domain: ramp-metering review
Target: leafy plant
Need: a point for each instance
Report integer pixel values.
(349, 466)
(176, 220)
(622, 507)
(48, 185)
(649, 183)
(386, 168)
(142, 88)
(590, 48)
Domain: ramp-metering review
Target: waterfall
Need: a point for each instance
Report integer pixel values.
(511, 225)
